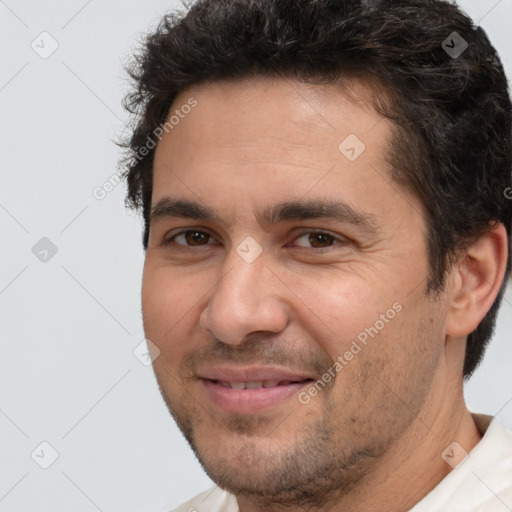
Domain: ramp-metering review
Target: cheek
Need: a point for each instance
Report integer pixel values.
(337, 311)
(170, 308)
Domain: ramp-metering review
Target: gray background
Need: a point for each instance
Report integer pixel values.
(69, 325)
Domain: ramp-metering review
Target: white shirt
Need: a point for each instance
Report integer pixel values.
(482, 483)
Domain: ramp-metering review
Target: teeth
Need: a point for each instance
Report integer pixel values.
(253, 385)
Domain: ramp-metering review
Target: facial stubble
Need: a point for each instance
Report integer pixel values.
(334, 445)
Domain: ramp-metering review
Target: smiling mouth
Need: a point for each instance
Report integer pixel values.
(250, 397)
(258, 384)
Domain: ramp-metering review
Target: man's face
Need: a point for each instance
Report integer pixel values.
(299, 254)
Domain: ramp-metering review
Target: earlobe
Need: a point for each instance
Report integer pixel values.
(476, 281)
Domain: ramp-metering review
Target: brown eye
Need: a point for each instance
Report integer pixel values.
(316, 240)
(196, 237)
(191, 238)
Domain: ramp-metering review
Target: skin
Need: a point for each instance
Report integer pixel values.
(392, 410)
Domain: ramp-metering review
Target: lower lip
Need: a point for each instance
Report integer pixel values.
(247, 401)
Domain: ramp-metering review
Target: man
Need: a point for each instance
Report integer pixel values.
(324, 188)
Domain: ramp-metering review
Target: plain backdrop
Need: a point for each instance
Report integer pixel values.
(71, 269)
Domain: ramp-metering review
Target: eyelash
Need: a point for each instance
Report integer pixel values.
(335, 238)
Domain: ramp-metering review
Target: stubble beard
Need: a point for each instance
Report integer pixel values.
(323, 463)
(329, 452)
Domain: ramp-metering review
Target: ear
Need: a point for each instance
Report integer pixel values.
(476, 280)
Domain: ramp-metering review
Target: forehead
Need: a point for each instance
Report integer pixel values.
(254, 107)
(276, 121)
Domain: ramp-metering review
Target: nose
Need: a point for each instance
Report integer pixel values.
(248, 298)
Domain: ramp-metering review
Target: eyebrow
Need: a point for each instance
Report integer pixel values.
(184, 208)
(289, 210)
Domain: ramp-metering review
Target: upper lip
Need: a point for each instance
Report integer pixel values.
(229, 373)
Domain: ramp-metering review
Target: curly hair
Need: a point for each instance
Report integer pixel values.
(451, 143)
